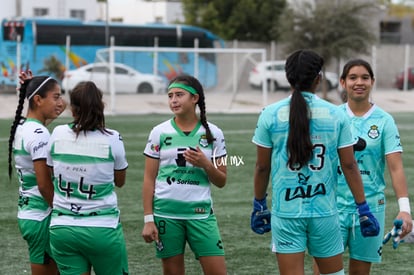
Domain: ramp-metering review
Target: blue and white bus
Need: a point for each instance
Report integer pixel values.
(42, 44)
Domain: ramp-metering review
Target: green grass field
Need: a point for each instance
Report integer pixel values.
(246, 252)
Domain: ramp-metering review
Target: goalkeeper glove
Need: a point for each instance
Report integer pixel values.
(394, 234)
(369, 224)
(260, 219)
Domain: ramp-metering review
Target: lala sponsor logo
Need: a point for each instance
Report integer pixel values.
(304, 190)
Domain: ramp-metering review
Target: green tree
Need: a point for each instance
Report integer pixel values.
(247, 20)
(334, 29)
(401, 10)
(54, 67)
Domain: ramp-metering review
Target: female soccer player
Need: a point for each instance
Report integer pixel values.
(28, 143)
(299, 143)
(184, 156)
(378, 143)
(88, 161)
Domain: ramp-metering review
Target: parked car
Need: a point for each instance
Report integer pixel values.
(274, 73)
(127, 79)
(399, 79)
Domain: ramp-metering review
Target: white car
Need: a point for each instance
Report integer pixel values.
(127, 79)
(274, 73)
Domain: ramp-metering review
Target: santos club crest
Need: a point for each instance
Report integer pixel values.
(373, 132)
(203, 141)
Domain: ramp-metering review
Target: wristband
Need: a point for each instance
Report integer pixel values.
(404, 204)
(148, 218)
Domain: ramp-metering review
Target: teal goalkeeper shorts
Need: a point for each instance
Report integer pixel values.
(36, 234)
(76, 249)
(320, 236)
(202, 235)
(367, 249)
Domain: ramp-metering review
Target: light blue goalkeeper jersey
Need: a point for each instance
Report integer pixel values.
(310, 191)
(182, 191)
(378, 131)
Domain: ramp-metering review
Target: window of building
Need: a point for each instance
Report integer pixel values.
(390, 32)
(40, 11)
(80, 14)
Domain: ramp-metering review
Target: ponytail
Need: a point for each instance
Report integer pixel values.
(299, 143)
(17, 118)
(302, 70)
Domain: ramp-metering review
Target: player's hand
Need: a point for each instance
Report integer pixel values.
(260, 218)
(407, 223)
(196, 157)
(368, 223)
(24, 75)
(394, 234)
(150, 232)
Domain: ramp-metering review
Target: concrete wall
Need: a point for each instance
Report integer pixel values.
(56, 8)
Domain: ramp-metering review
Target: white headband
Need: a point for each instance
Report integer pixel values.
(38, 88)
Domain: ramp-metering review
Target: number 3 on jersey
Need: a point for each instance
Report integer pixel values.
(318, 160)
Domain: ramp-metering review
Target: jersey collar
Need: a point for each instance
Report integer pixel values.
(192, 133)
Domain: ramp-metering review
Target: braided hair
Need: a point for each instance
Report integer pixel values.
(38, 85)
(193, 82)
(302, 71)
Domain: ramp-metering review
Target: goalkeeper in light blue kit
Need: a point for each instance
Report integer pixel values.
(299, 143)
(378, 143)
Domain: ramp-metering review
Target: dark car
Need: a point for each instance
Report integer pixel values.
(399, 79)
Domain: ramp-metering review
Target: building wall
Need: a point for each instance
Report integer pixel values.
(55, 8)
(407, 31)
(8, 8)
(141, 12)
(173, 12)
(62, 8)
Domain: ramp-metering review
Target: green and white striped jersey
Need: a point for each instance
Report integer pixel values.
(30, 144)
(182, 191)
(83, 170)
